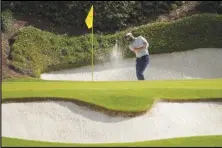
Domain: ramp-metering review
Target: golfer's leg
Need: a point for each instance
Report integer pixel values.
(141, 68)
(140, 75)
(137, 68)
(139, 72)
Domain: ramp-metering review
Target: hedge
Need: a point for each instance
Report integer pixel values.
(35, 51)
(210, 7)
(7, 19)
(110, 15)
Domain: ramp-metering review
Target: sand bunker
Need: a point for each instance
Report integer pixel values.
(67, 122)
(194, 64)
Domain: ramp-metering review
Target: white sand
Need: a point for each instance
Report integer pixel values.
(194, 64)
(67, 122)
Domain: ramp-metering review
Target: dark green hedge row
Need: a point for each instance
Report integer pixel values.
(210, 7)
(6, 21)
(110, 16)
(35, 51)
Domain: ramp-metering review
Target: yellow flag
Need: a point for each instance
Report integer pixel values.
(89, 18)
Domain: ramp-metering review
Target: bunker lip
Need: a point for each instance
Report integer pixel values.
(190, 100)
(91, 106)
(104, 110)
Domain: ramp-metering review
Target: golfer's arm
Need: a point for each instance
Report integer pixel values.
(144, 45)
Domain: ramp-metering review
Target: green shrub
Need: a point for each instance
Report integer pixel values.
(210, 7)
(6, 21)
(5, 45)
(110, 16)
(35, 51)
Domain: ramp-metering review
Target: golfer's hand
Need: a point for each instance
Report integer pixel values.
(131, 48)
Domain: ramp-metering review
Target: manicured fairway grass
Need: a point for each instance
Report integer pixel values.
(187, 141)
(119, 96)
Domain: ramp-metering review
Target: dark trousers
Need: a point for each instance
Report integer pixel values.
(141, 64)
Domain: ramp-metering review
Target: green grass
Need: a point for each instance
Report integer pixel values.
(119, 96)
(187, 141)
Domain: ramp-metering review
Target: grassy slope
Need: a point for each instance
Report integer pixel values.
(120, 96)
(187, 141)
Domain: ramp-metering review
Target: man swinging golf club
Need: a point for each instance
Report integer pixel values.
(139, 46)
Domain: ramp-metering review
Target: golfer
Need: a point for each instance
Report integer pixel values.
(139, 46)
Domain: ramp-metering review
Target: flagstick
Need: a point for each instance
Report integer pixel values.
(92, 52)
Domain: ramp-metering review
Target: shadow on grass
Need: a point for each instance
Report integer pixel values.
(91, 114)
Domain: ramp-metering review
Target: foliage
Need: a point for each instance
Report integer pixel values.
(110, 15)
(210, 7)
(7, 19)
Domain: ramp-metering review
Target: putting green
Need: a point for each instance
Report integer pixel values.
(186, 141)
(119, 96)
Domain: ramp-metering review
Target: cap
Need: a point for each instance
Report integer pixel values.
(129, 34)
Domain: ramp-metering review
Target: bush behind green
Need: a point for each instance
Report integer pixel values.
(110, 16)
(210, 7)
(35, 51)
(6, 21)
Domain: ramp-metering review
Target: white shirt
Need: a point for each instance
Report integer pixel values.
(137, 43)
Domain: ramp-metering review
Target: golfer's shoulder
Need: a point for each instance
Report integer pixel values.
(142, 38)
